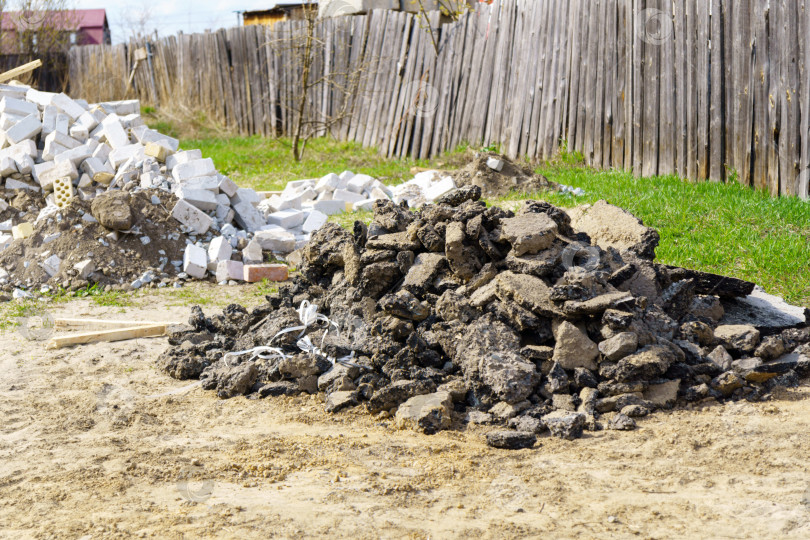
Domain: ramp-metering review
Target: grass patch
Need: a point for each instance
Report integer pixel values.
(722, 228)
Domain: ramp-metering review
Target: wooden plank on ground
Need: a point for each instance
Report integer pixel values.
(120, 334)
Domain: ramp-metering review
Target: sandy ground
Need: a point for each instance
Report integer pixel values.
(96, 443)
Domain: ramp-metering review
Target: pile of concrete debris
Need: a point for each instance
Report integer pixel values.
(529, 320)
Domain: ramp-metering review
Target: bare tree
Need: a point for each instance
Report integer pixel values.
(138, 20)
(307, 50)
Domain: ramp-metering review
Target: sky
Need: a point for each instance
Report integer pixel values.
(170, 17)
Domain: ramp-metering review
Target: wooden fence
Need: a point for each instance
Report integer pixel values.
(706, 89)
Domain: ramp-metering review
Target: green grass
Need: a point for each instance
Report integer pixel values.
(722, 228)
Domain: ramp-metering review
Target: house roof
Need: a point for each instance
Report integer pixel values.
(72, 19)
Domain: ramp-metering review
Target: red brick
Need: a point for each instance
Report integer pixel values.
(272, 272)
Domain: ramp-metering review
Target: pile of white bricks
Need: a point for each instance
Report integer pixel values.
(63, 148)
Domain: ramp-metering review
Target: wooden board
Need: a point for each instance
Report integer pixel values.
(120, 334)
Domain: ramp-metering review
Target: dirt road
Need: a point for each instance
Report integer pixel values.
(96, 443)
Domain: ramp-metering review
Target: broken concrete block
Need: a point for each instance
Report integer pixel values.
(612, 227)
(429, 413)
(314, 221)
(202, 199)
(248, 217)
(445, 185)
(574, 348)
(253, 273)
(230, 270)
(191, 217)
(277, 240)
(287, 219)
(51, 265)
(194, 169)
(85, 268)
(27, 128)
(195, 261)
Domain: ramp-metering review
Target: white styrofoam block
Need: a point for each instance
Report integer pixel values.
(182, 157)
(195, 261)
(230, 270)
(287, 219)
(27, 128)
(191, 217)
(314, 221)
(277, 240)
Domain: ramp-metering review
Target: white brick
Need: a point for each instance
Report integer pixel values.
(27, 128)
(219, 250)
(329, 182)
(209, 183)
(8, 121)
(123, 107)
(277, 240)
(114, 132)
(76, 155)
(61, 169)
(308, 194)
(17, 107)
(51, 265)
(314, 221)
(329, 208)
(194, 169)
(230, 270)
(67, 106)
(287, 219)
(87, 121)
(79, 133)
(248, 217)
(102, 152)
(195, 261)
(62, 124)
(49, 119)
(99, 171)
(123, 153)
(359, 183)
(24, 162)
(438, 189)
(16, 184)
(42, 99)
(246, 195)
(7, 166)
(51, 150)
(85, 268)
(227, 186)
(191, 217)
(202, 199)
(182, 157)
(252, 254)
(347, 196)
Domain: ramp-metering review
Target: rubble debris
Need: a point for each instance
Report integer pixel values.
(93, 182)
(436, 328)
(498, 175)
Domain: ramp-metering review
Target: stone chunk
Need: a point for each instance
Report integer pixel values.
(112, 210)
(337, 401)
(574, 348)
(612, 227)
(511, 440)
(529, 233)
(429, 413)
(619, 346)
(248, 217)
(230, 270)
(564, 424)
(742, 339)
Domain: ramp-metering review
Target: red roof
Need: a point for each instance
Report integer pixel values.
(72, 19)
